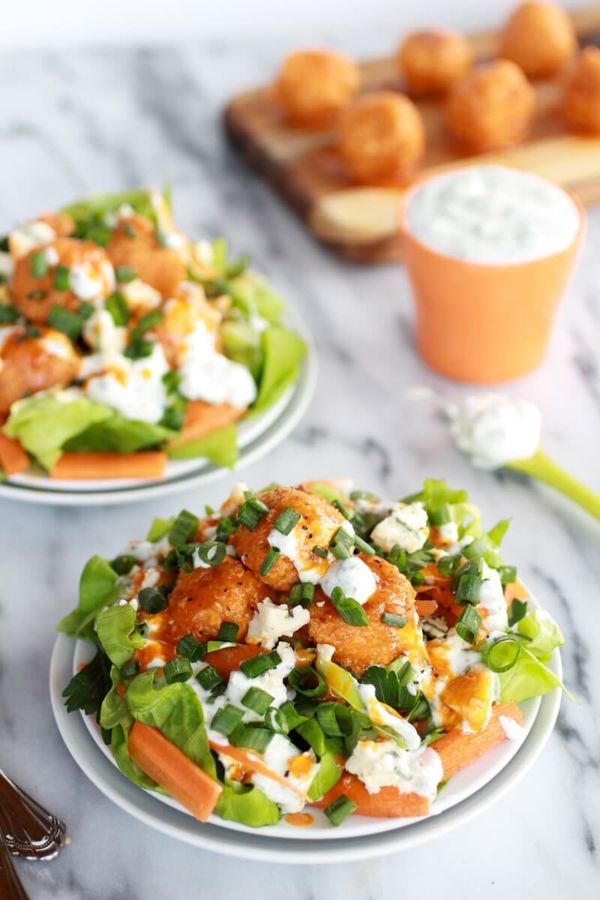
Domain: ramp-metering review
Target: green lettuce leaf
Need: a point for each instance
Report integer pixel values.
(529, 677)
(159, 528)
(114, 710)
(97, 589)
(44, 423)
(328, 774)
(99, 205)
(436, 493)
(283, 353)
(242, 343)
(247, 805)
(118, 744)
(117, 434)
(219, 446)
(174, 709)
(115, 627)
(543, 634)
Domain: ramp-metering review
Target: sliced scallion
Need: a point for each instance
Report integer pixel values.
(259, 664)
(183, 528)
(152, 600)
(503, 654)
(251, 738)
(116, 305)
(257, 700)
(62, 278)
(341, 544)
(287, 519)
(339, 810)
(468, 623)
(123, 564)
(391, 619)
(38, 264)
(307, 681)
(124, 274)
(70, 323)
(517, 611)
(228, 632)
(227, 719)
(269, 560)
(212, 553)
(349, 609)
(178, 669)
(191, 648)
(208, 678)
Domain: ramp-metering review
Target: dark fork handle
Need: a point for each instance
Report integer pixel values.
(10, 884)
(29, 829)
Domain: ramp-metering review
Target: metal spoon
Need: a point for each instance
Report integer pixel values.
(11, 887)
(29, 830)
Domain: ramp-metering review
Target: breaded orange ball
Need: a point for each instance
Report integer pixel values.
(432, 62)
(314, 85)
(135, 243)
(538, 37)
(492, 108)
(381, 137)
(582, 99)
(31, 364)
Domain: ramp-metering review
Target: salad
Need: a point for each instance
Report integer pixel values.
(124, 343)
(309, 646)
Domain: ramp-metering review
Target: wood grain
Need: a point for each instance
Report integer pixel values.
(361, 222)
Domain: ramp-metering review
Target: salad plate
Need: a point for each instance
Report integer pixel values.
(288, 710)
(135, 360)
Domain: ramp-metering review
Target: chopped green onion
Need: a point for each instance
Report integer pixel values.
(518, 609)
(251, 512)
(467, 625)
(341, 544)
(191, 648)
(130, 668)
(152, 600)
(320, 551)
(9, 314)
(335, 719)
(138, 348)
(440, 516)
(269, 560)
(468, 588)
(228, 632)
(391, 619)
(123, 564)
(257, 665)
(38, 264)
(117, 306)
(362, 545)
(341, 508)
(226, 720)
(86, 309)
(302, 594)
(508, 574)
(123, 274)
(225, 528)
(62, 275)
(183, 528)
(64, 320)
(257, 700)
(339, 810)
(502, 655)
(287, 519)
(251, 738)
(284, 719)
(447, 565)
(178, 669)
(307, 681)
(208, 678)
(149, 321)
(350, 610)
(475, 550)
(212, 553)
(364, 495)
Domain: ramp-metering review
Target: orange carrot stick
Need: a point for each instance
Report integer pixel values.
(148, 464)
(173, 770)
(387, 803)
(202, 418)
(457, 749)
(13, 458)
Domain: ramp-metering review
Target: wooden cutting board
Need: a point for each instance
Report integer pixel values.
(361, 222)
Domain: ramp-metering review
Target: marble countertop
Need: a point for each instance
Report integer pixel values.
(93, 120)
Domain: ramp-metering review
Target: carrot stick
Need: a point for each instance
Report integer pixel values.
(148, 464)
(387, 803)
(13, 458)
(457, 749)
(202, 418)
(173, 770)
(228, 659)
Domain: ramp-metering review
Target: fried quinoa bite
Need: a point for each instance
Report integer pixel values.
(538, 37)
(492, 108)
(582, 97)
(135, 244)
(312, 86)
(432, 62)
(34, 363)
(381, 137)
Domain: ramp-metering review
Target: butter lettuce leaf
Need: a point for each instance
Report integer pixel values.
(220, 447)
(44, 423)
(529, 677)
(283, 352)
(97, 589)
(99, 205)
(117, 434)
(542, 633)
(115, 627)
(247, 805)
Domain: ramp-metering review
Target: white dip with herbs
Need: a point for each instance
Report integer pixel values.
(494, 429)
(493, 215)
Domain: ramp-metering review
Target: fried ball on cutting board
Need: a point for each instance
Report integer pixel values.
(538, 37)
(582, 98)
(381, 137)
(492, 108)
(312, 86)
(432, 62)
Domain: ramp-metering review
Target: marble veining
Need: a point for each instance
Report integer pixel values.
(75, 121)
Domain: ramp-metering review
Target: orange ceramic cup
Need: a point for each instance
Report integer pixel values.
(485, 323)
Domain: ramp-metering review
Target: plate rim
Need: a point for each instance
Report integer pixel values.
(241, 844)
(276, 431)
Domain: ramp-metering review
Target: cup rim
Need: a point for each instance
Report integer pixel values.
(407, 234)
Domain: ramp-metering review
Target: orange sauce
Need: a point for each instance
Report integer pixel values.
(300, 820)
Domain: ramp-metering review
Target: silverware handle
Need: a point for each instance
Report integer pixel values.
(29, 829)
(11, 887)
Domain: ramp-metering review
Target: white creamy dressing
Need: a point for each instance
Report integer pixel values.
(133, 386)
(7, 266)
(90, 281)
(272, 621)
(406, 527)
(383, 715)
(353, 576)
(381, 764)
(494, 429)
(139, 295)
(28, 236)
(448, 533)
(492, 215)
(210, 376)
(512, 729)
(459, 654)
(289, 545)
(491, 602)
(57, 344)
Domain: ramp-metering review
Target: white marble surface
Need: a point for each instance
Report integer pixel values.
(80, 121)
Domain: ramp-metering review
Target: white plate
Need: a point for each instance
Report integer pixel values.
(468, 793)
(256, 437)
